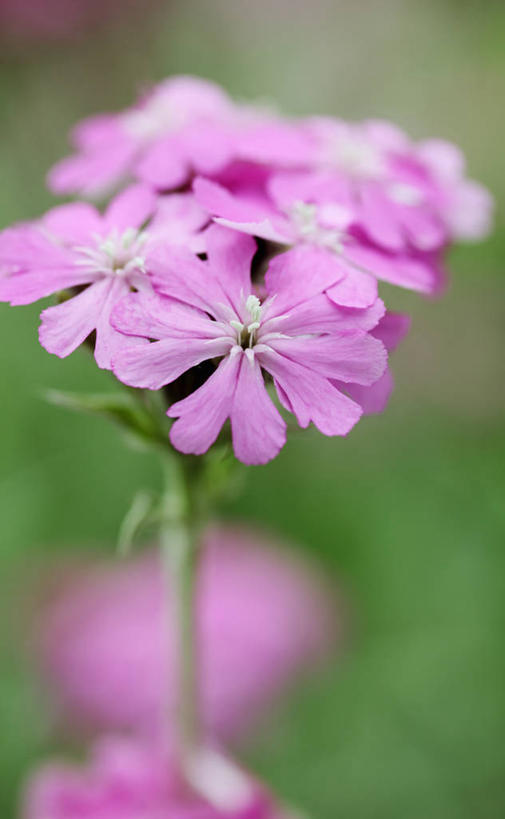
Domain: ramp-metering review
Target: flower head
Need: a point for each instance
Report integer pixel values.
(208, 311)
(97, 258)
(402, 194)
(180, 126)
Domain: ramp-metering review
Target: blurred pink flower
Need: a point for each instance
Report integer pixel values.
(128, 781)
(263, 617)
(402, 194)
(181, 125)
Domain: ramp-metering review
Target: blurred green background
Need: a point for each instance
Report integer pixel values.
(408, 513)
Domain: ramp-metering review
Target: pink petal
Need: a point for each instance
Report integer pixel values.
(65, 326)
(201, 415)
(92, 174)
(278, 144)
(130, 209)
(423, 228)
(378, 218)
(392, 329)
(263, 229)
(179, 274)
(357, 289)
(321, 315)
(443, 158)
(151, 366)
(300, 273)
(208, 147)
(97, 131)
(356, 357)
(155, 317)
(325, 188)
(179, 220)
(230, 255)
(310, 396)
(108, 340)
(25, 288)
(74, 223)
(413, 272)
(33, 267)
(373, 399)
(163, 165)
(220, 202)
(242, 213)
(470, 212)
(258, 431)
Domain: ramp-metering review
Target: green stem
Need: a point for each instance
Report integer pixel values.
(180, 535)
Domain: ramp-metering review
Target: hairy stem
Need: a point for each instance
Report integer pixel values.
(180, 536)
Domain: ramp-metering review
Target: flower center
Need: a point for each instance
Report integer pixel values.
(320, 225)
(246, 331)
(355, 155)
(116, 255)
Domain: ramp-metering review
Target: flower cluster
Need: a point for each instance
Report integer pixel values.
(238, 268)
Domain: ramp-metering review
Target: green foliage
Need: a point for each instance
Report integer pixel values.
(143, 428)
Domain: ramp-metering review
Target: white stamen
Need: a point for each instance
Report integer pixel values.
(305, 218)
(116, 255)
(246, 333)
(253, 305)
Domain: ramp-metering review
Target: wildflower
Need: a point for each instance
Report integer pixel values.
(303, 210)
(126, 780)
(176, 128)
(296, 334)
(264, 616)
(74, 246)
(402, 194)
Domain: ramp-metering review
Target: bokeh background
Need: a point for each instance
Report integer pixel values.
(407, 514)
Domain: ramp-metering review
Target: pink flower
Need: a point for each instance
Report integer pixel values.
(402, 194)
(75, 246)
(307, 210)
(179, 127)
(125, 780)
(297, 335)
(263, 617)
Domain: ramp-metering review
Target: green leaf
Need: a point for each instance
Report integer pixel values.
(124, 408)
